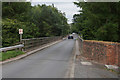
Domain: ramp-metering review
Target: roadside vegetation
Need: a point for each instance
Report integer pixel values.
(98, 21)
(10, 54)
(36, 21)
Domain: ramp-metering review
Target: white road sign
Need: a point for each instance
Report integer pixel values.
(20, 31)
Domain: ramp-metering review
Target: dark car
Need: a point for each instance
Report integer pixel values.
(70, 37)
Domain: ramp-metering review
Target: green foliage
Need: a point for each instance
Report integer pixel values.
(10, 28)
(10, 54)
(36, 21)
(108, 32)
(10, 32)
(97, 20)
(15, 9)
(50, 20)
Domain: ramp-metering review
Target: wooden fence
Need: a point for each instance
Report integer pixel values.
(30, 44)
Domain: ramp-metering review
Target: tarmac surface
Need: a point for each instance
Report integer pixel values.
(52, 62)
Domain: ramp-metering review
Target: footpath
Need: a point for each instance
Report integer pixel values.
(87, 69)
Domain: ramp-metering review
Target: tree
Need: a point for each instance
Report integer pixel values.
(36, 21)
(98, 20)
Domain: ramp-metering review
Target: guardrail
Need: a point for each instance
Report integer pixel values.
(20, 46)
(30, 44)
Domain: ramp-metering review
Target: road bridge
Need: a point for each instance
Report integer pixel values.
(56, 61)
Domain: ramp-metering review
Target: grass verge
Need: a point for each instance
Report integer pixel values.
(9, 54)
(112, 70)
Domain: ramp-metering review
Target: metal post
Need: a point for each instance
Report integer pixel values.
(20, 37)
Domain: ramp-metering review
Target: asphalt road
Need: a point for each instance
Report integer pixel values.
(52, 62)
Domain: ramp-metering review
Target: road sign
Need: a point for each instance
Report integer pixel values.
(20, 31)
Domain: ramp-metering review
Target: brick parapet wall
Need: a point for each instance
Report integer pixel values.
(102, 52)
(118, 54)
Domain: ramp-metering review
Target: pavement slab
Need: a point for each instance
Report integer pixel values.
(86, 69)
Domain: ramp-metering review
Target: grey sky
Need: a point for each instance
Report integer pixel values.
(66, 6)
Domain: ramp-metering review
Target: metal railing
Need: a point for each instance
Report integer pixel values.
(20, 46)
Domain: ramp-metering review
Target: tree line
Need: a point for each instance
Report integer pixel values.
(36, 21)
(98, 21)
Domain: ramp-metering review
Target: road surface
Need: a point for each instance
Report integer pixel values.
(52, 62)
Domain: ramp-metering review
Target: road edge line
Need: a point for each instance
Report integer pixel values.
(73, 62)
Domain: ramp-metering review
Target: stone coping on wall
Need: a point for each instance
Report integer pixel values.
(104, 42)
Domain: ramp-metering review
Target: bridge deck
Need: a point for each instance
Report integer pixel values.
(52, 62)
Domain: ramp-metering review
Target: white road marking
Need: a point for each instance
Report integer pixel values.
(86, 63)
(111, 66)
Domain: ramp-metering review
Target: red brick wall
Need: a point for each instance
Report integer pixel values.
(103, 52)
(118, 54)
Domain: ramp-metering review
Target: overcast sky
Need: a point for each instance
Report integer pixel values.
(66, 6)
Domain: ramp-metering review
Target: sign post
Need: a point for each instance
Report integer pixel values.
(20, 32)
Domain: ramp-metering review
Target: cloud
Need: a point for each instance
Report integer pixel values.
(53, 0)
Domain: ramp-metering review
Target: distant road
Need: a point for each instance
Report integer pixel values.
(52, 62)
